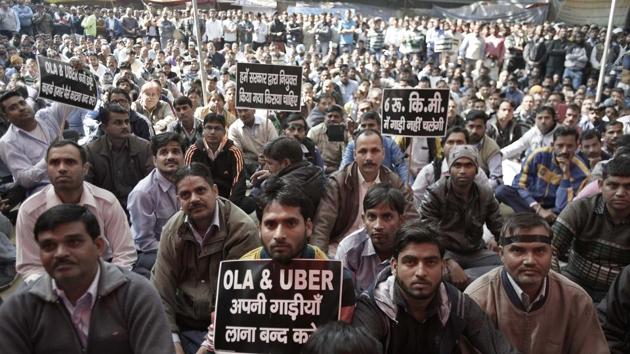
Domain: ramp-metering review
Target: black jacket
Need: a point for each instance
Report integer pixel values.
(614, 314)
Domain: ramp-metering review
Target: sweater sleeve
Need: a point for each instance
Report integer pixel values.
(370, 318)
(524, 180)
(326, 216)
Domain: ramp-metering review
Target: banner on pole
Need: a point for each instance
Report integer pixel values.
(415, 112)
(264, 306)
(60, 82)
(272, 87)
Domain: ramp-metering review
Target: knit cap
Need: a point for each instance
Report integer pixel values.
(460, 151)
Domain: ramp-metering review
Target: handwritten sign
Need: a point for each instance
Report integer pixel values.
(265, 306)
(60, 82)
(415, 112)
(272, 87)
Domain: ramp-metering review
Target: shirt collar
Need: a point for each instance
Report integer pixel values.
(162, 182)
(525, 300)
(91, 291)
(214, 226)
(362, 179)
(87, 199)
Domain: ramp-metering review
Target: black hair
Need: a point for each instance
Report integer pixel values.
(182, 101)
(8, 94)
(623, 141)
(384, 193)
(195, 169)
(457, 129)
(66, 142)
(476, 114)
(335, 108)
(67, 213)
(282, 148)
(566, 131)
(292, 118)
(416, 233)
(160, 140)
(523, 220)
(547, 109)
(612, 123)
(105, 113)
(371, 115)
(119, 91)
(590, 134)
(619, 166)
(277, 189)
(338, 337)
(214, 118)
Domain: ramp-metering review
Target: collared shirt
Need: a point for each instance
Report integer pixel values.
(210, 231)
(363, 188)
(358, 255)
(528, 303)
(24, 153)
(251, 140)
(103, 204)
(81, 311)
(151, 203)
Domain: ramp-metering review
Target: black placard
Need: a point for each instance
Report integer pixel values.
(60, 82)
(415, 112)
(272, 87)
(264, 306)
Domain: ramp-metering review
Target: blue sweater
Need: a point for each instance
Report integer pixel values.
(394, 158)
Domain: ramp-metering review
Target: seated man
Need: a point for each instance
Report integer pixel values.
(454, 136)
(340, 210)
(367, 251)
(66, 166)
(593, 234)
(411, 310)
(394, 158)
(331, 138)
(295, 127)
(79, 302)
(591, 148)
(540, 135)
(187, 126)
(549, 179)
(459, 207)
(153, 200)
(250, 133)
(23, 147)
(489, 152)
(534, 307)
(149, 104)
(502, 127)
(118, 159)
(613, 314)
(139, 124)
(284, 158)
(612, 131)
(207, 230)
(224, 159)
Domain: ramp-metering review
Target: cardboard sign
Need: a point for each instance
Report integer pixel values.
(60, 82)
(272, 87)
(415, 112)
(264, 306)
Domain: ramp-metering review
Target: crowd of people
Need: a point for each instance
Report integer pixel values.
(509, 234)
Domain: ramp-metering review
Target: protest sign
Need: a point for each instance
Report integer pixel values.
(60, 82)
(264, 306)
(272, 87)
(415, 112)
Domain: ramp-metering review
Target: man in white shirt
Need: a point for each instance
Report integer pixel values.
(250, 133)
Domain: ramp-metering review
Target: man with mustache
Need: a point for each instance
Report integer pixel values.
(591, 148)
(458, 207)
(66, 167)
(593, 234)
(534, 307)
(207, 230)
(550, 177)
(340, 209)
(490, 160)
(81, 304)
(411, 310)
(118, 159)
(153, 201)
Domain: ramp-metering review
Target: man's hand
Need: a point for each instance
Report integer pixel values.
(202, 350)
(547, 214)
(457, 274)
(493, 246)
(4, 205)
(565, 165)
(178, 348)
(260, 175)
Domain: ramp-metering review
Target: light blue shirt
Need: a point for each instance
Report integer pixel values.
(25, 154)
(394, 158)
(151, 203)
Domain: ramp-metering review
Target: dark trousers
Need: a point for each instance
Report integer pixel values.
(509, 195)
